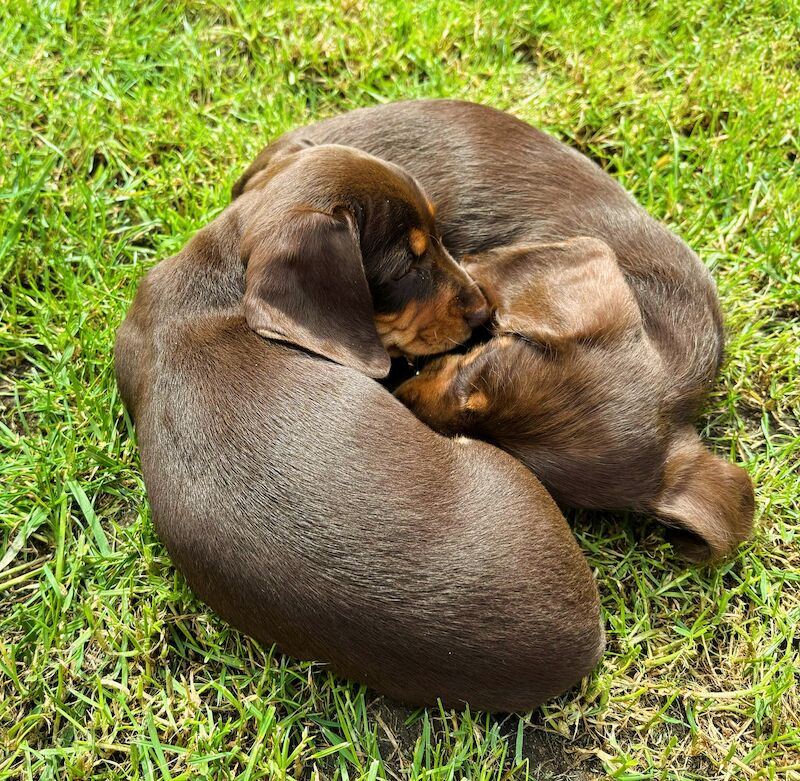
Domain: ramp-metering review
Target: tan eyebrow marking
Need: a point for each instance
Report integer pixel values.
(418, 241)
(478, 401)
(431, 208)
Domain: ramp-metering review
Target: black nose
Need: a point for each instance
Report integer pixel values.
(477, 317)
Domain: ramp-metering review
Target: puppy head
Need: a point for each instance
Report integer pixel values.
(572, 387)
(344, 260)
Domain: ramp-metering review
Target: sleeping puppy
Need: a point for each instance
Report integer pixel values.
(301, 500)
(574, 387)
(607, 348)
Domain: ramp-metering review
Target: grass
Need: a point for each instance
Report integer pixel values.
(122, 129)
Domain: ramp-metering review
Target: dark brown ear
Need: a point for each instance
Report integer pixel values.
(706, 500)
(306, 285)
(557, 293)
(267, 158)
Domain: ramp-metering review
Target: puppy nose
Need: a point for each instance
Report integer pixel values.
(477, 316)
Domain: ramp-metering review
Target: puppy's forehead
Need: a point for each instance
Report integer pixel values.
(412, 193)
(362, 169)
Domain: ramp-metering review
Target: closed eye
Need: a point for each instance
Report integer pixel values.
(409, 269)
(414, 263)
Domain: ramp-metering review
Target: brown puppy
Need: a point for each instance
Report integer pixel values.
(623, 341)
(422, 301)
(574, 387)
(300, 499)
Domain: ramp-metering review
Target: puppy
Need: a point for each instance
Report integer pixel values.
(301, 500)
(574, 387)
(606, 349)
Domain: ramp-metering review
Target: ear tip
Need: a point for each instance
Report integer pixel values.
(741, 501)
(377, 367)
(689, 546)
(709, 503)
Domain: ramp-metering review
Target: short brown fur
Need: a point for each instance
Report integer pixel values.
(596, 403)
(301, 500)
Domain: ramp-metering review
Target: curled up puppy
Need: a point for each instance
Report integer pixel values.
(300, 499)
(573, 386)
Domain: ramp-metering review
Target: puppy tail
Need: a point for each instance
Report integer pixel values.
(707, 501)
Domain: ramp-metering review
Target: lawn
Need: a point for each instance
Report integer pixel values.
(122, 129)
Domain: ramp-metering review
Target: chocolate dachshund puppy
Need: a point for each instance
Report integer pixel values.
(608, 327)
(301, 500)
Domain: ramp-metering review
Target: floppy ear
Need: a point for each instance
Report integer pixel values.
(267, 157)
(706, 500)
(305, 284)
(557, 293)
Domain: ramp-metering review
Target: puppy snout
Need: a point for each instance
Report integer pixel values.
(476, 308)
(477, 316)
